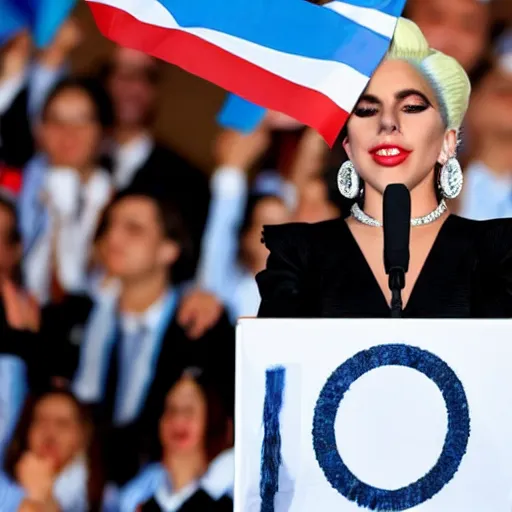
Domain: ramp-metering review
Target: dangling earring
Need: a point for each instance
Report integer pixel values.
(451, 179)
(348, 180)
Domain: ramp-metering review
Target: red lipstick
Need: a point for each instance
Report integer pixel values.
(389, 155)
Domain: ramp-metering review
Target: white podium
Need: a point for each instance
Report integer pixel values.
(389, 415)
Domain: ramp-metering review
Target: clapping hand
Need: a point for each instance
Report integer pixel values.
(21, 310)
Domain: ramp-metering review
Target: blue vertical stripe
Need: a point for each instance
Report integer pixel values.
(271, 449)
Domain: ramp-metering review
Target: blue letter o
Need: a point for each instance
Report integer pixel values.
(457, 437)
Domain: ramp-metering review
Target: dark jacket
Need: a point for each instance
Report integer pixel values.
(128, 447)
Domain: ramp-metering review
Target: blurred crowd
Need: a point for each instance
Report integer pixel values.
(123, 267)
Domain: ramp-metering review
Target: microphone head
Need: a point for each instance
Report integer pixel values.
(397, 227)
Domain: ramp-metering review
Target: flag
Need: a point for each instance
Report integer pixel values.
(42, 18)
(308, 61)
(11, 21)
(239, 114)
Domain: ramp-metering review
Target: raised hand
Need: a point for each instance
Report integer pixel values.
(21, 310)
(199, 312)
(15, 56)
(239, 150)
(66, 40)
(36, 475)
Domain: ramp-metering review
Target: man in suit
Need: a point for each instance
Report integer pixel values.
(134, 157)
(122, 349)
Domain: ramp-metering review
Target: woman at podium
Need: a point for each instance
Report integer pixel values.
(404, 129)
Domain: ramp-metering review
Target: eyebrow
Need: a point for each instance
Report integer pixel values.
(400, 95)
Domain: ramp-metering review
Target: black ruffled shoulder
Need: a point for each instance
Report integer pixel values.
(280, 284)
(285, 285)
(493, 272)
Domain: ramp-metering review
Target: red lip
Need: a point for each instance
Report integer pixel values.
(390, 160)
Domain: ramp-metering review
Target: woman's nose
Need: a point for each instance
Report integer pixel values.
(389, 123)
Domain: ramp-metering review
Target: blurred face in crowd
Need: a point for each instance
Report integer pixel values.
(396, 133)
(10, 249)
(134, 244)
(70, 132)
(490, 111)
(458, 28)
(183, 423)
(314, 204)
(268, 211)
(132, 86)
(56, 431)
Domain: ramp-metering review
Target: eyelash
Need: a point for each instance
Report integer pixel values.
(408, 109)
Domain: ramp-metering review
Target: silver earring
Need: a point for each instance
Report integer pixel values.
(451, 179)
(348, 180)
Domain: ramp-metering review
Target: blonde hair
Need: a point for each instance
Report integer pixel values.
(445, 75)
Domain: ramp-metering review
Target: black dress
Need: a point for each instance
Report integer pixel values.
(199, 502)
(318, 270)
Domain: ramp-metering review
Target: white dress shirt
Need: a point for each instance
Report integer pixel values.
(69, 233)
(129, 158)
(139, 348)
(486, 195)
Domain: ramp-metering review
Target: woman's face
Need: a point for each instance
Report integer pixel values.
(490, 111)
(56, 431)
(183, 423)
(396, 133)
(267, 212)
(457, 27)
(70, 133)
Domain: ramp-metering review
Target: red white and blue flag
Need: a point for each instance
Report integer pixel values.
(308, 61)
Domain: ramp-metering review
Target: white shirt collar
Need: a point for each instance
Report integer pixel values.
(149, 318)
(129, 157)
(486, 195)
(70, 487)
(216, 482)
(479, 174)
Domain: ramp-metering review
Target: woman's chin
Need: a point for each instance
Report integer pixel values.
(181, 447)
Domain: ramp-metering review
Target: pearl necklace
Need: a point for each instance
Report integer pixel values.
(363, 218)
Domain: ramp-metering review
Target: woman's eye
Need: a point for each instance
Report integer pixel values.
(414, 109)
(365, 111)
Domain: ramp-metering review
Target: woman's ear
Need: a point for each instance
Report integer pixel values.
(169, 253)
(449, 147)
(346, 147)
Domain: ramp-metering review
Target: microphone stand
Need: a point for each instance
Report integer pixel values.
(396, 285)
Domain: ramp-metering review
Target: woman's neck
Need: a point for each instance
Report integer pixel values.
(185, 469)
(496, 155)
(423, 200)
(137, 295)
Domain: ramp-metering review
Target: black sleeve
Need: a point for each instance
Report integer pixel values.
(61, 324)
(492, 297)
(28, 346)
(220, 346)
(283, 284)
(17, 142)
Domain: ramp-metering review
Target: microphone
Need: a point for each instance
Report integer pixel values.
(397, 231)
